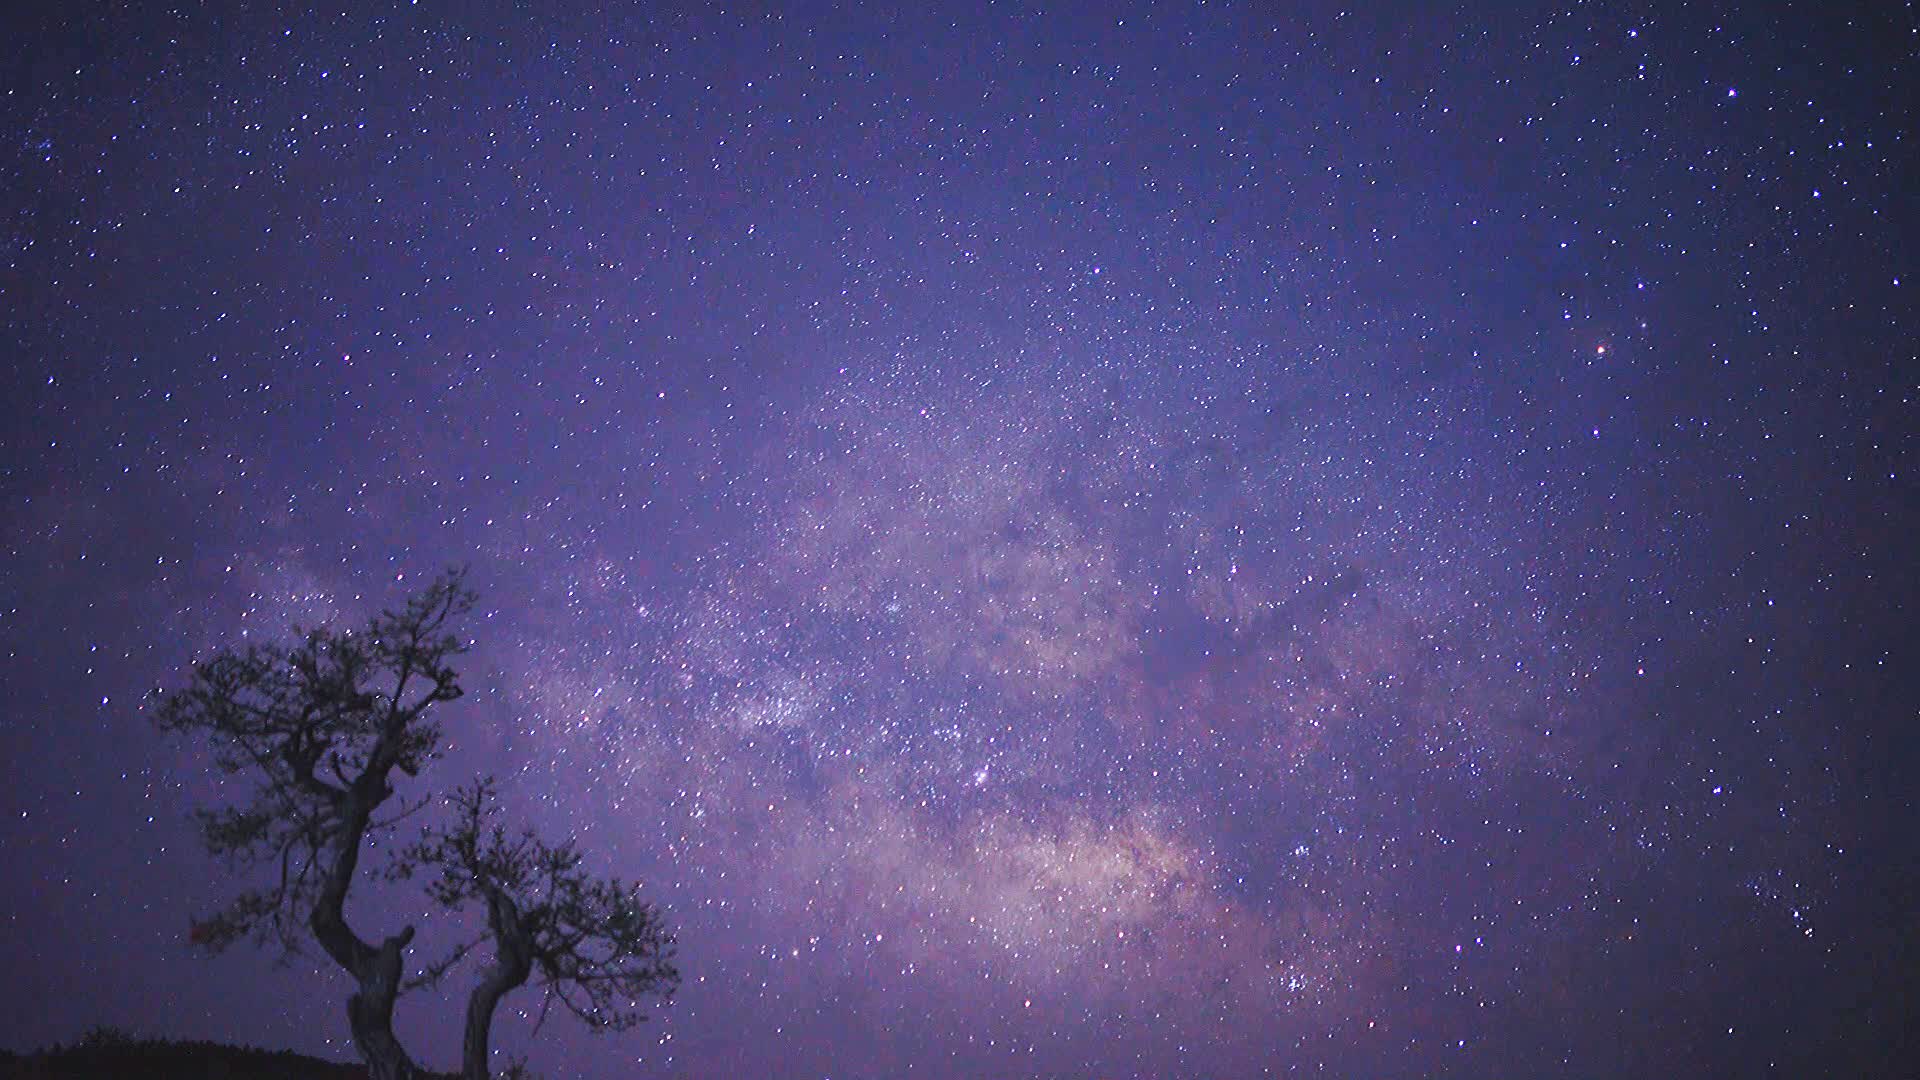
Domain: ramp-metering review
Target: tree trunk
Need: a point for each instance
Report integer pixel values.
(377, 970)
(513, 962)
(370, 1013)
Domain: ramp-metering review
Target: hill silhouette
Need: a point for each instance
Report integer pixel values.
(106, 1052)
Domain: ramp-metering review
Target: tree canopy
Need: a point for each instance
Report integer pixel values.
(320, 726)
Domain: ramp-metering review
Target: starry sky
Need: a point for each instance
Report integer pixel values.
(1191, 540)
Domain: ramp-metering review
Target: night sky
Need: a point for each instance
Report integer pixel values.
(1191, 541)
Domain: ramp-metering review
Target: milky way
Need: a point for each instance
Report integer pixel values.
(1078, 544)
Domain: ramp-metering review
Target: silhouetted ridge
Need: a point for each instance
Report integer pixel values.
(107, 1053)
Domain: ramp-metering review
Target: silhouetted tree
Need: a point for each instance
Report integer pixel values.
(320, 727)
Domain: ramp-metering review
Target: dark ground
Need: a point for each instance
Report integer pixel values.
(114, 1054)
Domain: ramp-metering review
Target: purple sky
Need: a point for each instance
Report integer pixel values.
(1190, 541)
